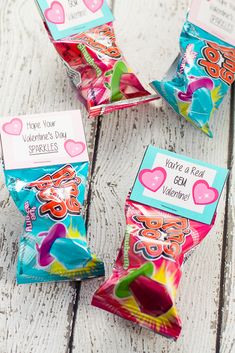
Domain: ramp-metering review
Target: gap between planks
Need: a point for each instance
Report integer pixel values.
(55, 94)
(220, 266)
(87, 213)
(225, 244)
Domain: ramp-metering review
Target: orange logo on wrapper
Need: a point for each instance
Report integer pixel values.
(161, 237)
(103, 33)
(58, 193)
(219, 62)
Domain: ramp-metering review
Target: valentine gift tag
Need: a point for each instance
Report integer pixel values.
(43, 140)
(179, 185)
(217, 17)
(68, 17)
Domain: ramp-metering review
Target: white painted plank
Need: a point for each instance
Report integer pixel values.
(227, 343)
(153, 27)
(35, 318)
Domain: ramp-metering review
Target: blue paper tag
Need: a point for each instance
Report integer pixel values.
(68, 17)
(179, 185)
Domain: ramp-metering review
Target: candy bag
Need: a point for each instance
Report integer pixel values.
(148, 269)
(53, 245)
(95, 64)
(46, 171)
(204, 74)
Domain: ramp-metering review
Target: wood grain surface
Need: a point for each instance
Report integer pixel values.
(35, 318)
(58, 317)
(226, 327)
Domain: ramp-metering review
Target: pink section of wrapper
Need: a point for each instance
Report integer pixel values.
(98, 70)
(147, 272)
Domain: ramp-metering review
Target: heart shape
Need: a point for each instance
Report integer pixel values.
(14, 127)
(74, 148)
(203, 194)
(153, 179)
(93, 5)
(55, 13)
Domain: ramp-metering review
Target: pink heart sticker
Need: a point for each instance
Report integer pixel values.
(14, 127)
(74, 148)
(55, 13)
(94, 5)
(153, 179)
(203, 194)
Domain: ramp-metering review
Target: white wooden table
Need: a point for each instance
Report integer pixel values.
(58, 318)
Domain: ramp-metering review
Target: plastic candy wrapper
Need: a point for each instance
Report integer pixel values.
(147, 271)
(53, 245)
(204, 74)
(99, 72)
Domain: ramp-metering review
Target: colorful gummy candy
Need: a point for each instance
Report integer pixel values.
(99, 72)
(53, 244)
(205, 73)
(148, 269)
